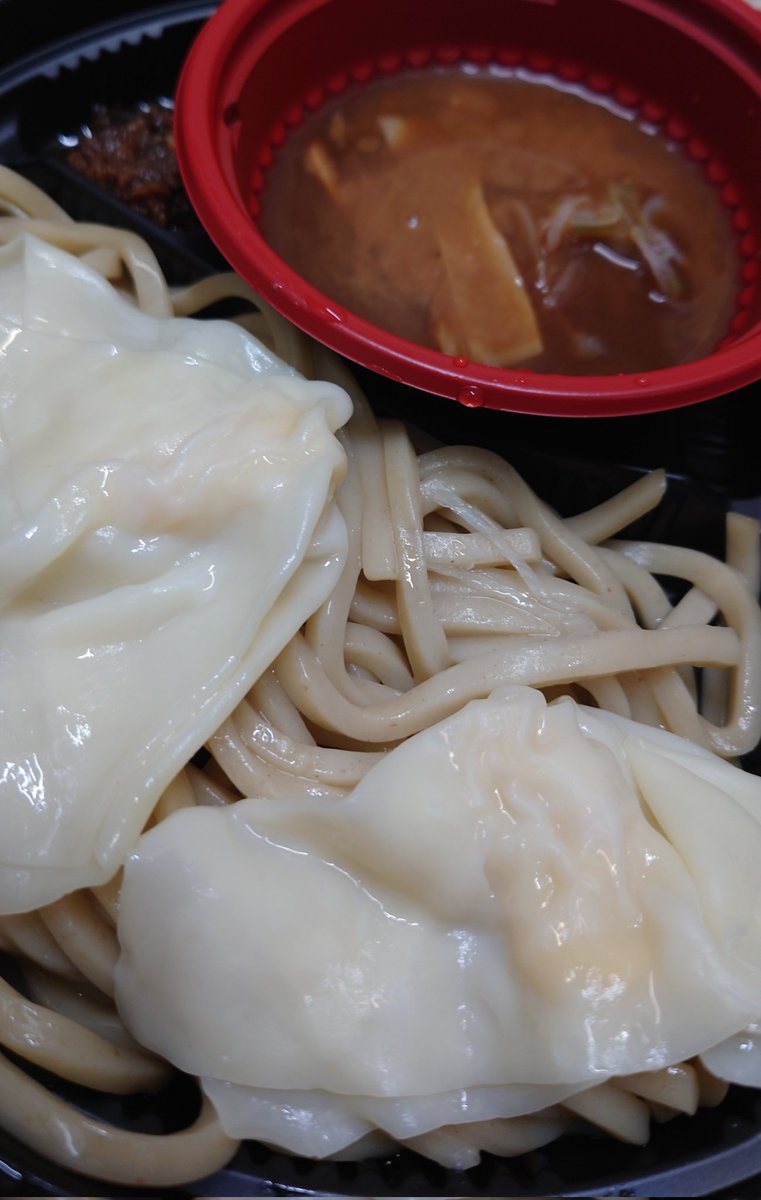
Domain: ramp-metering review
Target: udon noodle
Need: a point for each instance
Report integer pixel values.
(458, 580)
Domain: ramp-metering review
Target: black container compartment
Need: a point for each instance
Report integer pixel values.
(50, 96)
(134, 53)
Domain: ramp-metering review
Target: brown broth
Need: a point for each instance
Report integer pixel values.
(509, 221)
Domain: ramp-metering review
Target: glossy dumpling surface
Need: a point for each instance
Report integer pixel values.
(511, 906)
(166, 506)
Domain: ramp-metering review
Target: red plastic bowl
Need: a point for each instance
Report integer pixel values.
(693, 67)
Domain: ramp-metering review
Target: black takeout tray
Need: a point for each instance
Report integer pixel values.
(53, 65)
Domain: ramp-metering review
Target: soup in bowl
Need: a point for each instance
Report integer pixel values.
(509, 205)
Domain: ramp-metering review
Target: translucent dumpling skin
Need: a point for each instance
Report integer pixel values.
(511, 906)
(167, 524)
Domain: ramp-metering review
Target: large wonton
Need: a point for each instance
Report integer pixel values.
(514, 905)
(166, 506)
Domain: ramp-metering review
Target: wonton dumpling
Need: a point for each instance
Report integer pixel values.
(488, 923)
(166, 505)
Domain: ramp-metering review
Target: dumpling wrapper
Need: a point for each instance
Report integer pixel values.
(490, 922)
(166, 506)
(738, 1059)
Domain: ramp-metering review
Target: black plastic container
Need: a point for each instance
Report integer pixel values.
(134, 54)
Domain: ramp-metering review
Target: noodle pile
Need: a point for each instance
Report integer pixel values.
(458, 580)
